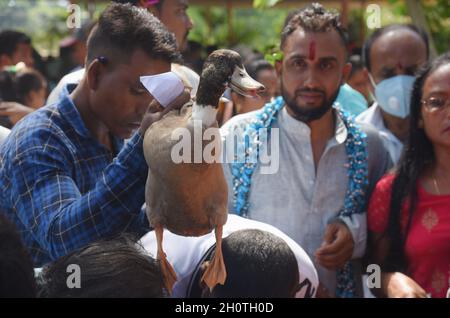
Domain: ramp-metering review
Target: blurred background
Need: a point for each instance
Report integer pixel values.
(253, 24)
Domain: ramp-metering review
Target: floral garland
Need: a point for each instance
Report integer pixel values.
(354, 203)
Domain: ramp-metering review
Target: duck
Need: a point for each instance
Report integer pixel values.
(191, 198)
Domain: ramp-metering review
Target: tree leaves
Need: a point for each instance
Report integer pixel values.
(262, 4)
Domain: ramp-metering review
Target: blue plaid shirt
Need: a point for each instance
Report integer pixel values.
(63, 189)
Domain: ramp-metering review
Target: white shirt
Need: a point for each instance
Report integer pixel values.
(58, 91)
(4, 132)
(185, 253)
(189, 77)
(374, 117)
(297, 199)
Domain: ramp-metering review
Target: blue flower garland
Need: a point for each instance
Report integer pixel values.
(355, 200)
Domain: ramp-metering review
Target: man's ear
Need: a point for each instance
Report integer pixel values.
(346, 73)
(95, 71)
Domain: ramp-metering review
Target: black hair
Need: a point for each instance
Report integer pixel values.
(313, 18)
(417, 155)
(16, 267)
(392, 27)
(15, 86)
(7, 87)
(157, 5)
(26, 81)
(108, 268)
(259, 264)
(7, 94)
(256, 66)
(10, 39)
(123, 28)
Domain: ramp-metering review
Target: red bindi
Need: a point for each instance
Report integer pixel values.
(312, 50)
(399, 65)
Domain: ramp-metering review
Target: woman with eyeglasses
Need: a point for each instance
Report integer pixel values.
(409, 212)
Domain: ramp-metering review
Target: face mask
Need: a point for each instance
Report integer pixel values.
(394, 94)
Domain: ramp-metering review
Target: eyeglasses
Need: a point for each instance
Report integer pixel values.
(436, 103)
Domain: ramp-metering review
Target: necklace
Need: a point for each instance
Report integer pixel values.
(355, 200)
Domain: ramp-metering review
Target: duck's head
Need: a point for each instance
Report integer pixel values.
(222, 69)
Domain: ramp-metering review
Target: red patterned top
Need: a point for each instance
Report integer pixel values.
(428, 243)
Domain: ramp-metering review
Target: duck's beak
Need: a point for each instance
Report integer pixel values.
(244, 85)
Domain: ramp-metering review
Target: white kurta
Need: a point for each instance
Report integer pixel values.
(297, 199)
(374, 117)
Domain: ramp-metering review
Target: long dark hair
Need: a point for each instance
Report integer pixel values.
(417, 155)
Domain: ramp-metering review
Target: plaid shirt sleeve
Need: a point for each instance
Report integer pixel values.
(48, 202)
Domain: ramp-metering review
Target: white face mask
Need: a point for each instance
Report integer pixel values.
(394, 94)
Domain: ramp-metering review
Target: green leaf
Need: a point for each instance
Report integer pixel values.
(261, 4)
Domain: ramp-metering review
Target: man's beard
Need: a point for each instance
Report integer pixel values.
(304, 113)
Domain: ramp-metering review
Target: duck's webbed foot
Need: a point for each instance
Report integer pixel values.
(168, 273)
(216, 272)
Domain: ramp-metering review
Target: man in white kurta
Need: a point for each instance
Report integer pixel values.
(390, 52)
(305, 195)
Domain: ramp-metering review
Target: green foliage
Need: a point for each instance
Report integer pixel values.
(437, 13)
(262, 4)
(259, 29)
(438, 17)
(43, 20)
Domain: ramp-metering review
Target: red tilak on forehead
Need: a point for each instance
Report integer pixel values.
(312, 50)
(399, 65)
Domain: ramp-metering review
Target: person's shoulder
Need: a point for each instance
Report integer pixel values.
(367, 116)
(69, 79)
(378, 153)
(386, 182)
(73, 78)
(239, 121)
(373, 135)
(369, 129)
(35, 132)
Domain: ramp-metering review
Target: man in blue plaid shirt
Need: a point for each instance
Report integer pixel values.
(66, 177)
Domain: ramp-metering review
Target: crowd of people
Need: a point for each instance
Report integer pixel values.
(363, 175)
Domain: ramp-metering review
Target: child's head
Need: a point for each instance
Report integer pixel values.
(23, 85)
(113, 268)
(31, 88)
